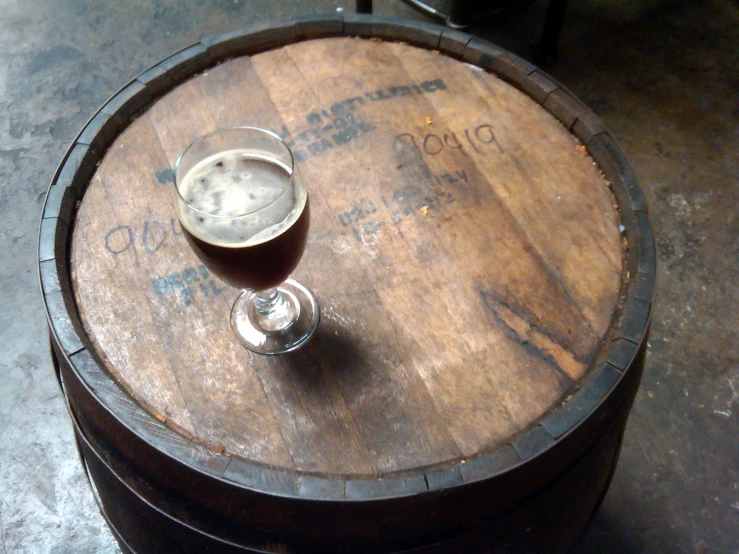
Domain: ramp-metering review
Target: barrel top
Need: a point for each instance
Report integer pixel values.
(466, 250)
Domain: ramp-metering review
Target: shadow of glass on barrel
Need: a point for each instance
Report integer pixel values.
(244, 210)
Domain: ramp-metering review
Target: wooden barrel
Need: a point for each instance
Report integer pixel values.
(484, 263)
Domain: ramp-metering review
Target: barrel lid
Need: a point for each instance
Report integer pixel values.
(479, 247)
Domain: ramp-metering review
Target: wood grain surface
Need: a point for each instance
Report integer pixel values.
(464, 249)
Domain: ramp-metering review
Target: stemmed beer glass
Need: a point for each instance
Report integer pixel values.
(244, 210)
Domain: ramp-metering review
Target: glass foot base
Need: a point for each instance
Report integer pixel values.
(276, 333)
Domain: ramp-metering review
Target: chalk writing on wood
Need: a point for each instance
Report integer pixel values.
(481, 137)
(149, 237)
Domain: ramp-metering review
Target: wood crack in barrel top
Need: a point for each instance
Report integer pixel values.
(517, 324)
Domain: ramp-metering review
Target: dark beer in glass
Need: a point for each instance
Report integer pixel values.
(244, 210)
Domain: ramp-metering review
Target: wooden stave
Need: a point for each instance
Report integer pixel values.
(552, 439)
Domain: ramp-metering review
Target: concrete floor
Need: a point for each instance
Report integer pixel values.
(663, 75)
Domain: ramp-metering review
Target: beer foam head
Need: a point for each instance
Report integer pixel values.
(237, 199)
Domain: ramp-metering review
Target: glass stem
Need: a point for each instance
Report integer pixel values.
(274, 311)
(270, 302)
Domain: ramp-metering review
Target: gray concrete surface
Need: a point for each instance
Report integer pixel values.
(662, 74)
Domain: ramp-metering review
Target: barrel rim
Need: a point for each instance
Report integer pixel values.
(73, 174)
